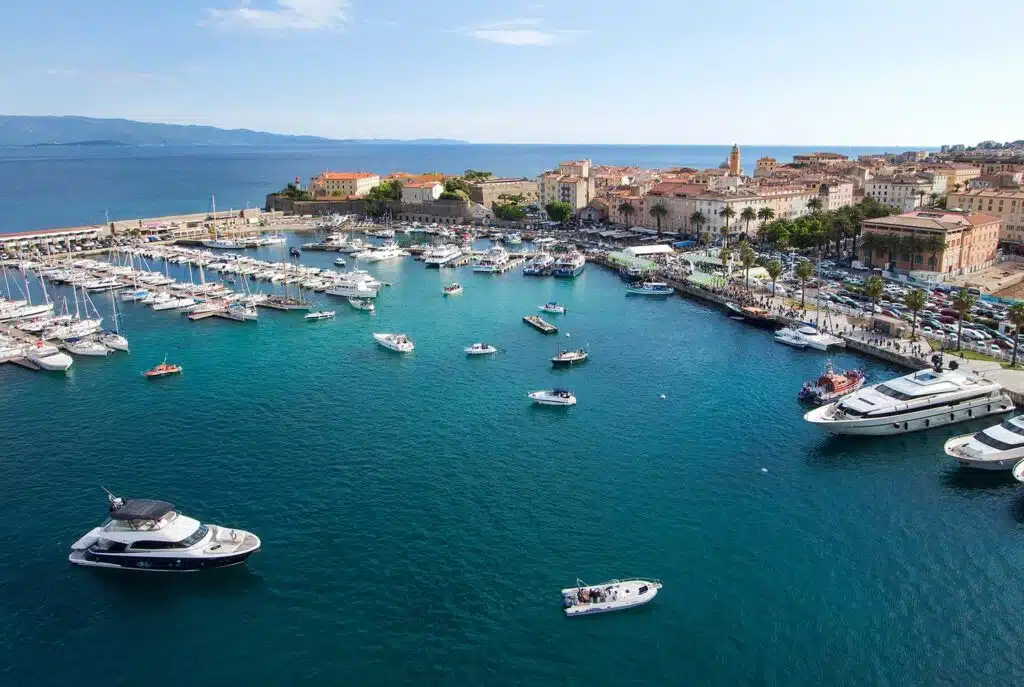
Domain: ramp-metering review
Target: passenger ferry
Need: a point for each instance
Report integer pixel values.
(570, 265)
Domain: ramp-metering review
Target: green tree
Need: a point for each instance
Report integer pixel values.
(559, 211)
(814, 205)
(658, 211)
(915, 302)
(473, 175)
(725, 255)
(804, 270)
(765, 214)
(453, 195)
(726, 212)
(626, 209)
(748, 215)
(934, 199)
(1017, 317)
(697, 219)
(962, 303)
(456, 184)
(774, 272)
(514, 198)
(921, 194)
(747, 258)
(509, 211)
(874, 290)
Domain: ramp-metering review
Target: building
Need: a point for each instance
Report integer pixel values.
(833, 194)
(571, 183)
(1007, 205)
(48, 240)
(488, 191)
(679, 198)
(948, 241)
(765, 166)
(630, 219)
(735, 168)
(820, 159)
(957, 174)
(903, 193)
(419, 192)
(405, 177)
(343, 183)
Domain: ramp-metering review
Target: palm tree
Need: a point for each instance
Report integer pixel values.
(747, 258)
(657, 211)
(696, 220)
(962, 303)
(874, 290)
(726, 212)
(725, 255)
(870, 244)
(814, 205)
(933, 198)
(935, 244)
(915, 302)
(804, 270)
(626, 209)
(774, 269)
(705, 237)
(921, 194)
(1017, 317)
(766, 215)
(748, 215)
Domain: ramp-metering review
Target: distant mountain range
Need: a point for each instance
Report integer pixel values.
(89, 131)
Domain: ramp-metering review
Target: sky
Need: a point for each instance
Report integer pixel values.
(796, 72)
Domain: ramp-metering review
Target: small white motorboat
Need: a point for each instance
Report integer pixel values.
(452, 289)
(791, 337)
(361, 304)
(48, 356)
(570, 358)
(552, 307)
(340, 262)
(552, 397)
(395, 342)
(616, 595)
(319, 315)
(481, 349)
(1018, 471)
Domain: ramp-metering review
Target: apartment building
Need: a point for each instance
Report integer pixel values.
(343, 183)
(948, 241)
(1007, 205)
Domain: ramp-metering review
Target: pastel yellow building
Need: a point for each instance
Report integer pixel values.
(343, 183)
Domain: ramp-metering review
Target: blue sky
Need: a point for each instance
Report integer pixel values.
(899, 72)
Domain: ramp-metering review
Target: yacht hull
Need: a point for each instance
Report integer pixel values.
(954, 449)
(910, 422)
(157, 563)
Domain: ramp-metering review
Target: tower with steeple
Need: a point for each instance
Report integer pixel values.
(734, 161)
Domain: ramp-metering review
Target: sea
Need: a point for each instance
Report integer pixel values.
(419, 515)
(47, 187)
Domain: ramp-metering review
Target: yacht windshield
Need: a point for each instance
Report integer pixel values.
(1015, 430)
(185, 543)
(892, 393)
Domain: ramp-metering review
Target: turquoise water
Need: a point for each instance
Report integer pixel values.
(419, 516)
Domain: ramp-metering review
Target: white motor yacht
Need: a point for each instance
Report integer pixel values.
(819, 340)
(920, 400)
(541, 264)
(361, 304)
(150, 535)
(395, 342)
(388, 251)
(553, 397)
(348, 288)
(481, 349)
(48, 356)
(615, 595)
(438, 256)
(999, 447)
(87, 347)
(319, 315)
(569, 265)
(553, 308)
(494, 260)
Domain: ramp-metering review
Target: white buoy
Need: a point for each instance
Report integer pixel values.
(663, 396)
(764, 469)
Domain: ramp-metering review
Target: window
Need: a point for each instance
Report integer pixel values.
(188, 541)
(892, 393)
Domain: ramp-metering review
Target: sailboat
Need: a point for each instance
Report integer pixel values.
(218, 242)
(113, 339)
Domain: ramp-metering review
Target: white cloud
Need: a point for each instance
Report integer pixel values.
(519, 32)
(289, 15)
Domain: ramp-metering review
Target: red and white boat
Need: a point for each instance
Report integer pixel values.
(831, 385)
(162, 370)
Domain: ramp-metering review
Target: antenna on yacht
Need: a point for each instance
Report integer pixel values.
(115, 502)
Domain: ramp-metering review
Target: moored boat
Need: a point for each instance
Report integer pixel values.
(141, 534)
(570, 358)
(48, 356)
(162, 370)
(1000, 447)
(481, 349)
(790, 337)
(650, 288)
(552, 397)
(453, 289)
(831, 385)
(614, 595)
(319, 315)
(364, 304)
(553, 308)
(399, 343)
(86, 346)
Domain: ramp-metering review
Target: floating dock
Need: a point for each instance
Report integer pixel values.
(540, 324)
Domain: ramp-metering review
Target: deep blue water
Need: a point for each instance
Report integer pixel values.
(419, 516)
(60, 187)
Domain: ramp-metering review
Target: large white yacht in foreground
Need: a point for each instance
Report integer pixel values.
(920, 400)
(151, 535)
(439, 256)
(999, 447)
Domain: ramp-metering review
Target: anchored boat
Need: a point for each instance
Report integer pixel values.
(614, 595)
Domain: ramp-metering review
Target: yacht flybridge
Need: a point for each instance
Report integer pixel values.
(151, 535)
(920, 400)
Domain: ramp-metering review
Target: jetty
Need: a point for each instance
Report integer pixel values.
(540, 324)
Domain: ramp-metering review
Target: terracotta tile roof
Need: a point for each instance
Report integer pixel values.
(936, 220)
(346, 176)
